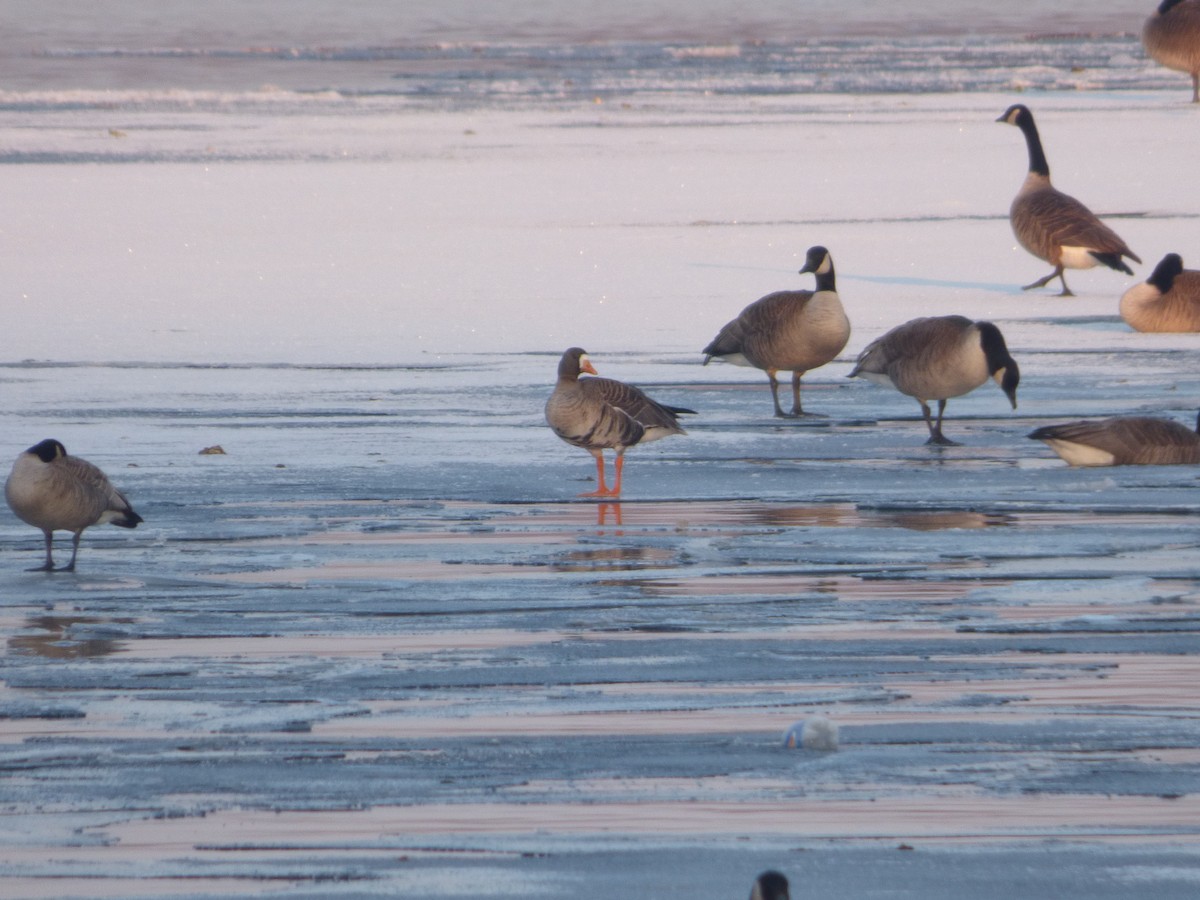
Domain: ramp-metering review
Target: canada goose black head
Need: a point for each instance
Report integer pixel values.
(1018, 114)
(770, 885)
(1001, 366)
(1167, 5)
(48, 450)
(820, 263)
(1166, 271)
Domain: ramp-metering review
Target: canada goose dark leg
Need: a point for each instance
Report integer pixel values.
(48, 565)
(797, 410)
(70, 567)
(1196, 87)
(935, 428)
(1042, 282)
(779, 413)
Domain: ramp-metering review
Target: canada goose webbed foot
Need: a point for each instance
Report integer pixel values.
(940, 440)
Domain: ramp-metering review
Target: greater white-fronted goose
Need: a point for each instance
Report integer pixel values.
(55, 492)
(770, 885)
(601, 414)
(937, 358)
(1054, 226)
(1172, 37)
(1122, 441)
(788, 331)
(1169, 300)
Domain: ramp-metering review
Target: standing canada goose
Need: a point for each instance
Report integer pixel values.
(1053, 226)
(601, 414)
(1172, 37)
(1123, 441)
(770, 885)
(937, 358)
(789, 331)
(55, 492)
(1169, 300)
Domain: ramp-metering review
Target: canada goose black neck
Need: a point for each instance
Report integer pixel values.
(1020, 116)
(820, 263)
(48, 450)
(995, 350)
(1165, 272)
(770, 885)
(1167, 5)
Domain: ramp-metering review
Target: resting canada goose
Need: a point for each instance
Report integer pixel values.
(1169, 300)
(770, 885)
(1122, 441)
(601, 414)
(1053, 226)
(789, 331)
(55, 492)
(937, 358)
(1172, 37)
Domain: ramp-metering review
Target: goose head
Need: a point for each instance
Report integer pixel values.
(818, 261)
(48, 450)
(573, 362)
(1018, 114)
(1165, 272)
(770, 885)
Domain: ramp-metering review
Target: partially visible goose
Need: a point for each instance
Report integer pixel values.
(55, 492)
(1169, 300)
(789, 331)
(770, 885)
(601, 414)
(937, 358)
(1053, 226)
(1172, 37)
(1122, 441)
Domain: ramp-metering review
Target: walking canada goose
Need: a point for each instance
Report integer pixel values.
(1122, 441)
(601, 414)
(1053, 226)
(1169, 300)
(789, 331)
(55, 492)
(937, 358)
(770, 885)
(1172, 37)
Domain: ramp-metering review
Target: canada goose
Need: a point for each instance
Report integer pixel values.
(55, 492)
(1053, 226)
(1172, 37)
(770, 885)
(1169, 300)
(601, 413)
(937, 358)
(1122, 441)
(788, 331)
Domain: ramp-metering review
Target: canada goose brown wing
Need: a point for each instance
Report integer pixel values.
(1126, 440)
(93, 490)
(916, 343)
(1047, 220)
(759, 328)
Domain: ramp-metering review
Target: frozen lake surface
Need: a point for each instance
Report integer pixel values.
(378, 648)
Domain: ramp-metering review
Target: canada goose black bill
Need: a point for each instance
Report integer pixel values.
(1172, 37)
(788, 331)
(939, 357)
(1053, 226)
(601, 414)
(1167, 301)
(55, 492)
(1123, 441)
(770, 885)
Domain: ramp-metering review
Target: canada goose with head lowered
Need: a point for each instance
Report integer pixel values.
(937, 358)
(1169, 300)
(1172, 37)
(1054, 226)
(1122, 441)
(770, 885)
(601, 414)
(788, 331)
(55, 492)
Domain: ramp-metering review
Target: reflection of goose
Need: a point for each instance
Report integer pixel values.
(55, 492)
(1053, 226)
(1169, 300)
(1122, 441)
(1172, 37)
(601, 414)
(937, 358)
(789, 331)
(770, 885)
